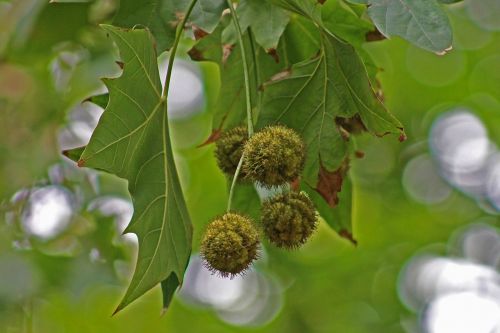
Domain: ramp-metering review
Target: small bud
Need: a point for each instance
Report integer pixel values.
(274, 156)
(230, 244)
(289, 219)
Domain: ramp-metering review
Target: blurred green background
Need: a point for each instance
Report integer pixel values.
(413, 198)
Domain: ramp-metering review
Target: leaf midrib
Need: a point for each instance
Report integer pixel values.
(164, 220)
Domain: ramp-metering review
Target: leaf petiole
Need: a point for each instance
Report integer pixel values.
(256, 69)
(233, 184)
(173, 51)
(245, 68)
(247, 98)
(169, 285)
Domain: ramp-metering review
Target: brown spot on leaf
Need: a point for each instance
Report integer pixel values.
(196, 54)
(281, 75)
(359, 154)
(330, 182)
(179, 16)
(344, 134)
(80, 163)
(198, 32)
(121, 64)
(227, 49)
(348, 235)
(321, 1)
(402, 137)
(273, 53)
(353, 125)
(212, 138)
(377, 90)
(374, 35)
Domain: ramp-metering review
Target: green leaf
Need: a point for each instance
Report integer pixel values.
(229, 110)
(74, 154)
(300, 41)
(338, 217)
(341, 20)
(230, 107)
(132, 141)
(206, 14)
(324, 98)
(314, 93)
(168, 288)
(423, 23)
(153, 14)
(162, 17)
(246, 200)
(99, 100)
(267, 21)
(308, 8)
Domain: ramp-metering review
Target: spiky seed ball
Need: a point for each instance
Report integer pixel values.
(230, 244)
(289, 219)
(229, 148)
(274, 156)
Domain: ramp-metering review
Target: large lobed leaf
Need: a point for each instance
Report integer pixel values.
(163, 16)
(312, 95)
(423, 22)
(132, 141)
(229, 111)
(267, 21)
(324, 98)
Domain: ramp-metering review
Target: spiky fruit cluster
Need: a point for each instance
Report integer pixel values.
(230, 244)
(274, 156)
(289, 219)
(229, 148)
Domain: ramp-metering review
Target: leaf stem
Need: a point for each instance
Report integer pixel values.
(169, 285)
(245, 68)
(247, 98)
(233, 184)
(256, 70)
(173, 51)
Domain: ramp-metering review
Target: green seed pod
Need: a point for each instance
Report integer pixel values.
(289, 219)
(274, 156)
(230, 244)
(229, 148)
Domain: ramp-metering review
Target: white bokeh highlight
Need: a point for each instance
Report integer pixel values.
(456, 294)
(252, 299)
(466, 312)
(465, 156)
(48, 211)
(121, 209)
(187, 95)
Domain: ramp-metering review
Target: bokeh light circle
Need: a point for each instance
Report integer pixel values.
(48, 211)
(433, 70)
(422, 181)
